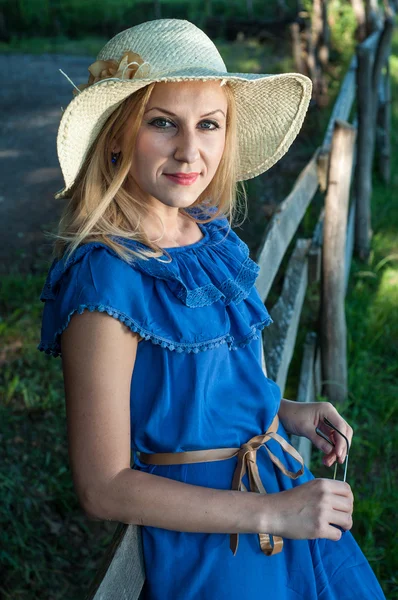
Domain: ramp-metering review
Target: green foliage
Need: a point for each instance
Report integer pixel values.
(342, 27)
(74, 18)
(342, 23)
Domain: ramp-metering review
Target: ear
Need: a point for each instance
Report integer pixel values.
(116, 147)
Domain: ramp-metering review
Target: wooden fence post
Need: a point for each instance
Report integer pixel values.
(383, 131)
(372, 55)
(297, 49)
(333, 324)
(366, 135)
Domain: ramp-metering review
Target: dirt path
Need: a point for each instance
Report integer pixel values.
(32, 96)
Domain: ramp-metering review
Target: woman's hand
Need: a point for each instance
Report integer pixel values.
(301, 418)
(309, 510)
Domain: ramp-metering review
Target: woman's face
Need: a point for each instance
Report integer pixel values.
(182, 133)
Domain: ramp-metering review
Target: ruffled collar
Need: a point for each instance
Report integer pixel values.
(166, 302)
(215, 268)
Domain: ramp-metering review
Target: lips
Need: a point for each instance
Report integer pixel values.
(182, 178)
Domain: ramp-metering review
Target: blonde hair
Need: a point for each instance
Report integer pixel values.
(100, 206)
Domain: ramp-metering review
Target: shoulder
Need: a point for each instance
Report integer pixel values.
(95, 278)
(91, 265)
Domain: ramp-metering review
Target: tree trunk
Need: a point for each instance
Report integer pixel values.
(297, 49)
(318, 51)
(324, 47)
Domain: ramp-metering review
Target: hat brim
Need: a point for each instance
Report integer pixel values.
(270, 112)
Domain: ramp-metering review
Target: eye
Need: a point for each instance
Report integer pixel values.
(161, 123)
(213, 125)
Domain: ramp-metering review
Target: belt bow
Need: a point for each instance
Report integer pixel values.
(247, 461)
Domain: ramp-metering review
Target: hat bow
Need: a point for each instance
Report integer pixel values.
(130, 66)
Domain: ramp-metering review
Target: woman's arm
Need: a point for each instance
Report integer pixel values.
(98, 356)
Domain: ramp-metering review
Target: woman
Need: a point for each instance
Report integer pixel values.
(151, 300)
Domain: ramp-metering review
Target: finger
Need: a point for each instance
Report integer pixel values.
(349, 434)
(343, 504)
(332, 533)
(331, 448)
(330, 459)
(321, 443)
(321, 439)
(342, 519)
(341, 488)
(340, 447)
(324, 432)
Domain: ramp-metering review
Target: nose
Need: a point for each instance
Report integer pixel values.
(187, 148)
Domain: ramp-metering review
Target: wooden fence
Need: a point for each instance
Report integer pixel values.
(343, 163)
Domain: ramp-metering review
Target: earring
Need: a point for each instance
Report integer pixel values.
(115, 156)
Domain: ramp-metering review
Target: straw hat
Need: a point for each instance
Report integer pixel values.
(270, 108)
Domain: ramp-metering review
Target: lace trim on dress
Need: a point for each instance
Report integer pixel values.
(54, 348)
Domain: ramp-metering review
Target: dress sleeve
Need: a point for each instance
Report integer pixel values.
(95, 279)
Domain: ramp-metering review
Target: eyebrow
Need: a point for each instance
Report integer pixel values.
(173, 115)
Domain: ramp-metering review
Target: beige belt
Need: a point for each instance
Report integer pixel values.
(246, 460)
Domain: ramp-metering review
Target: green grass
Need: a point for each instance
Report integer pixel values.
(43, 535)
(88, 45)
(49, 550)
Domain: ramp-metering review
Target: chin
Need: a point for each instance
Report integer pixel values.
(179, 200)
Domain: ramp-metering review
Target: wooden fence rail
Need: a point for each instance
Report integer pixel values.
(343, 227)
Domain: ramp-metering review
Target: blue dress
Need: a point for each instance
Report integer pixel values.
(198, 383)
